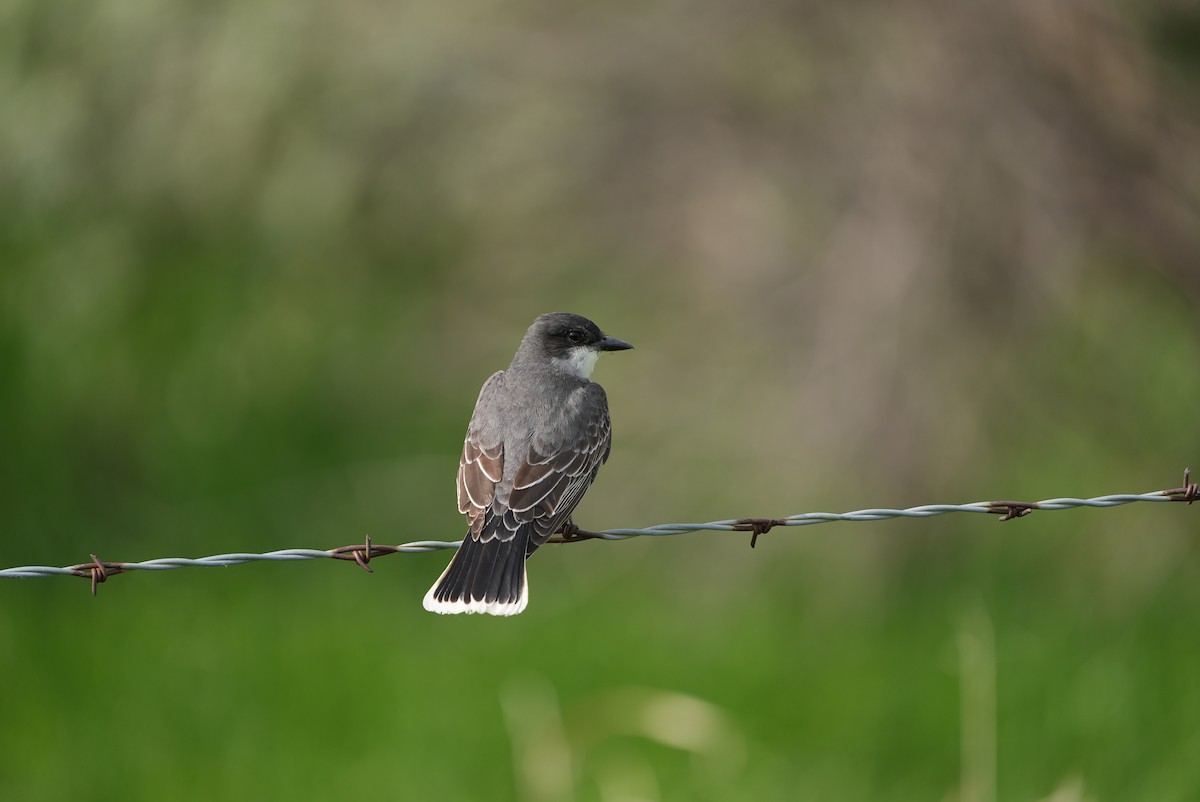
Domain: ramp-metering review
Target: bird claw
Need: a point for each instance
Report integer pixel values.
(570, 533)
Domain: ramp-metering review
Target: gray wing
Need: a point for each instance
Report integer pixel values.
(482, 464)
(547, 487)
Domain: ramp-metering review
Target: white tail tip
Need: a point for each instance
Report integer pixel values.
(470, 606)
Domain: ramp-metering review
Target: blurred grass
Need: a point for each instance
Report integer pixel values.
(257, 258)
(286, 681)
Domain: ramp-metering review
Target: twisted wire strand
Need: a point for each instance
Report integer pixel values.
(99, 571)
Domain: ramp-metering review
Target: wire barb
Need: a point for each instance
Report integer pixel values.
(99, 574)
(757, 526)
(361, 554)
(98, 571)
(1188, 493)
(1009, 510)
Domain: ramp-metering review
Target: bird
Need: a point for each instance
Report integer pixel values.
(537, 438)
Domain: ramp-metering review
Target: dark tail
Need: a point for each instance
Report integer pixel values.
(484, 577)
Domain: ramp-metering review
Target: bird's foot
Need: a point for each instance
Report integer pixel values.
(570, 533)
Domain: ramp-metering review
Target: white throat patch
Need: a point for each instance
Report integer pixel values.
(580, 361)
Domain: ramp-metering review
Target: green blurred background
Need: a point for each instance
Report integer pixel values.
(257, 257)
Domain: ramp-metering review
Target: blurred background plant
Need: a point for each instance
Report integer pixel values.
(256, 259)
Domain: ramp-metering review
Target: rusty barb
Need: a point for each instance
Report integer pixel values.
(1007, 510)
(362, 554)
(1188, 493)
(98, 571)
(757, 526)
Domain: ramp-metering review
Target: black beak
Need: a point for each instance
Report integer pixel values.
(613, 344)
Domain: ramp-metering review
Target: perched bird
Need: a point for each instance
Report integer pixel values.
(537, 438)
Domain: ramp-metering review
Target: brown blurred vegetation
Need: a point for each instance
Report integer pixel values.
(901, 200)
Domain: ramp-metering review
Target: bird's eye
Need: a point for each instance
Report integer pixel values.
(575, 335)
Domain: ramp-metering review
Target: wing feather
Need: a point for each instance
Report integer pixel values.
(481, 466)
(547, 487)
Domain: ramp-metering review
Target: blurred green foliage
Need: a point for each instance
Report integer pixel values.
(256, 259)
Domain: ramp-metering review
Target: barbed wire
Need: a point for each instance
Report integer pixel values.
(98, 571)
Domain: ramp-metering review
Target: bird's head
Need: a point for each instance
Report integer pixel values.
(571, 343)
